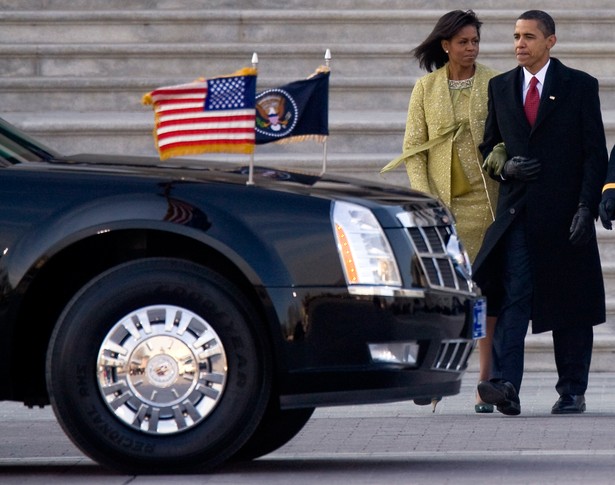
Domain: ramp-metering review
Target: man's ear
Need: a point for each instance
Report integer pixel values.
(551, 40)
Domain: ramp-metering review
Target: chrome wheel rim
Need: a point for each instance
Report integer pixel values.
(162, 369)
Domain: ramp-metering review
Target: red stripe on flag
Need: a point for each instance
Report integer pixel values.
(166, 102)
(220, 131)
(178, 111)
(206, 143)
(175, 90)
(212, 120)
(197, 111)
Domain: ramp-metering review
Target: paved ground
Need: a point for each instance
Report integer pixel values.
(397, 443)
(458, 425)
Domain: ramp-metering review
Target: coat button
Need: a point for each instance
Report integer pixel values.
(512, 211)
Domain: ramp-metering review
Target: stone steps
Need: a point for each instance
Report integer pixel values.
(190, 60)
(118, 93)
(264, 26)
(94, 5)
(43, 94)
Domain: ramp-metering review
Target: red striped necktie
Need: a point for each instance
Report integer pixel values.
(532, 100)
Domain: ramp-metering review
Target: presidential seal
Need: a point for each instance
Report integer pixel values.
(276, 113)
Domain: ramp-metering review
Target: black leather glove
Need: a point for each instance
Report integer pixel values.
(582, 228)
(521, 168)
(607, 211)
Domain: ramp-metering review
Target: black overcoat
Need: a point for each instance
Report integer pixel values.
(569, 140)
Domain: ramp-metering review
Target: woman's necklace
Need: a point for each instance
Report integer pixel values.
(462, 84)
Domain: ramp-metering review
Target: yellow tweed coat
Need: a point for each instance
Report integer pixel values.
(430, 115)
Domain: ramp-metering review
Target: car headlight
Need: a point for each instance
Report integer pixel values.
(364, 250)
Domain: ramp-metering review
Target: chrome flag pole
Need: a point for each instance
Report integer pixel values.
(251, 168)
(324, 145)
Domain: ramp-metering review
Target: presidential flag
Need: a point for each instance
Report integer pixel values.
(208, 115)
(294, 112)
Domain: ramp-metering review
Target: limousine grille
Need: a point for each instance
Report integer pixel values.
(438, 268)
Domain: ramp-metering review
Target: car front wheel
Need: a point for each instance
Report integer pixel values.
(158, 366)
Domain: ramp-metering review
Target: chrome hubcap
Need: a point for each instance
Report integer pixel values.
(161, 369)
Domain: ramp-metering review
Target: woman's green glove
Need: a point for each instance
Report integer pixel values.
(494, 163)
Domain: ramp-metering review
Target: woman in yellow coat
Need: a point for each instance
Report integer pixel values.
(445, 125)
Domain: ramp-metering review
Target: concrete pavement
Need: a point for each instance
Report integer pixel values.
(455, 427)
(396, 443)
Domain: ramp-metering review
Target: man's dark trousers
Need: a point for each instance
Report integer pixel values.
(513, 320)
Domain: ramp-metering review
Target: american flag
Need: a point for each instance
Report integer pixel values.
(212, 115)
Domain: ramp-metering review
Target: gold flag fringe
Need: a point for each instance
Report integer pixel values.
(319, 70)
(147, 99)
(245, 148)
(298, 138)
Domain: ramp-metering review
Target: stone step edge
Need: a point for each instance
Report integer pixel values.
(87, 83)
(349, 5)
(69, 83)
(235, 50)
(294, 15)
(54, 121)
(133, 121)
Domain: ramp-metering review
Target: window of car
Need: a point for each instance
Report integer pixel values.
(17, 147)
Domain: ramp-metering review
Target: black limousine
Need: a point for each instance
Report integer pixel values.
(176, 318)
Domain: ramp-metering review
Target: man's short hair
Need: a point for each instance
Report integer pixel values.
(546, 24)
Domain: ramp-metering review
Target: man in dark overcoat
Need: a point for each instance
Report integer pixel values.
(539, 260)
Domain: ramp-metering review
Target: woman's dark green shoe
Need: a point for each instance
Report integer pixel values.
(483, 408)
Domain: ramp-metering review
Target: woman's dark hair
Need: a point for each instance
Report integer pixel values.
(429, 53)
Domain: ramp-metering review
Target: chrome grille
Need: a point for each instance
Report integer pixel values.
(453, 355)
(430, 246)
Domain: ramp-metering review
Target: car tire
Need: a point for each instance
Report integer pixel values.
(277, 428)
(158, 365)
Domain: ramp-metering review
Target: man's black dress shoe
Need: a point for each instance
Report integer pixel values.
(501, 393)
(569, 404)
